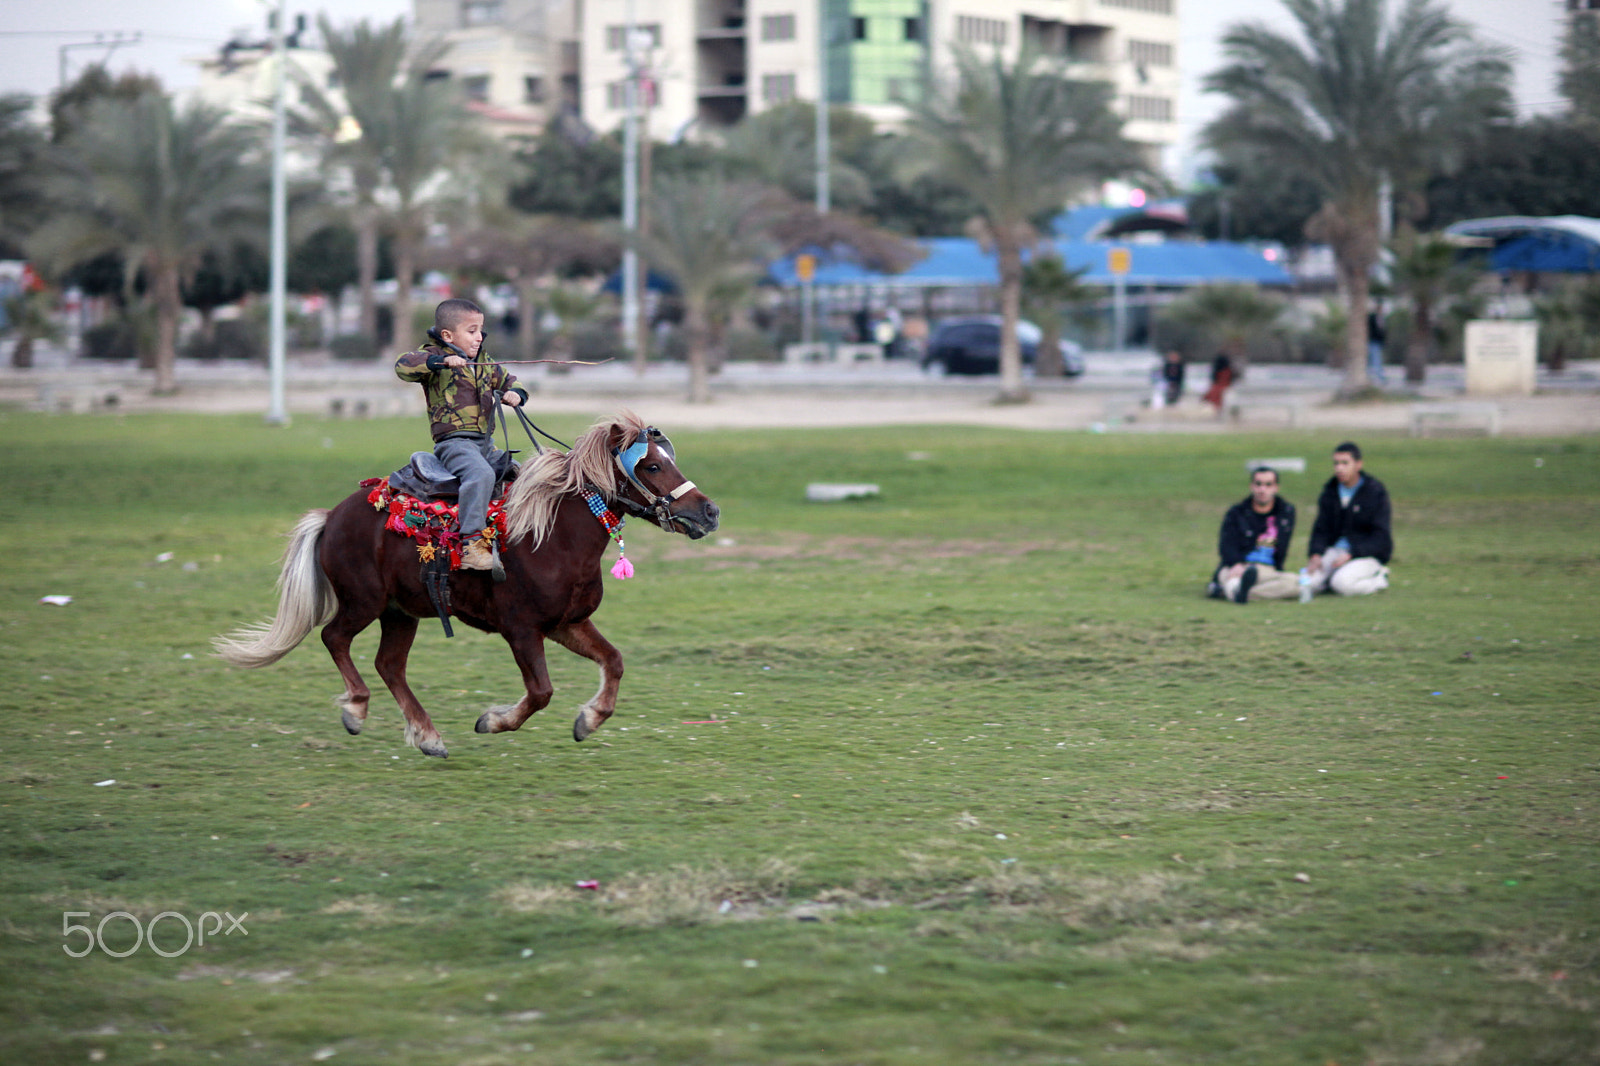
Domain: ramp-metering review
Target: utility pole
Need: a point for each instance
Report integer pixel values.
(630, 188)
(276, 413)
(808, 291)
(117, 41)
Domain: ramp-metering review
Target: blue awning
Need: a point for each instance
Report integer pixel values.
(960, 261)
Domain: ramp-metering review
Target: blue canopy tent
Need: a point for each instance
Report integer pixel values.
(1559, 244)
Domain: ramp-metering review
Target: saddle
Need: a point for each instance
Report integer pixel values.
(426, 478)
(417, 499)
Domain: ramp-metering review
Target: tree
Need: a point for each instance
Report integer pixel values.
(1048, 289)
(1359, 101)
(1425, 269)
(1229, 316)
(1254, 199)
(352, 129)
(162, 187)
(577, 178)
(709, 235)
(437, 154)
(1019, 138)
(1580, 63)
(1548, 165)
(23, 166)
(70, 105)
(527, 250)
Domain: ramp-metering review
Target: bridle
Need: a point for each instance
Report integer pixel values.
(659, 507)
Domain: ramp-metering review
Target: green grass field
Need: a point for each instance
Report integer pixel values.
(991, 781)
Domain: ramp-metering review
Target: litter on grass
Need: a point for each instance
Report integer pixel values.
(56, 601)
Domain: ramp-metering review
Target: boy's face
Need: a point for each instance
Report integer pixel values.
(468, 334)
(1347, 468)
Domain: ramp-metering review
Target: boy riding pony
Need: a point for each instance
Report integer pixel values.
(460, 384)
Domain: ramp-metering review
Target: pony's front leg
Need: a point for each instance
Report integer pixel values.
(399, 630)
(584, 639)
(528, 650)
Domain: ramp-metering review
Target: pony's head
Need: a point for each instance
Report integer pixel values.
(631, 464)
(651, 484)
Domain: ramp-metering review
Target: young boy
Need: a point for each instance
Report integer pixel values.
(458, 383)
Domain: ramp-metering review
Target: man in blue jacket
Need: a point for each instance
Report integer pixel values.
(1351, 540)
(1254, 542)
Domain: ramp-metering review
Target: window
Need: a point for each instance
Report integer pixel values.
(617, 95)
(776, 88)
(975, 30)
(913, 29)
(858, 29)
(476, 87)
(1149, 108)
(532, 89)
(650, 35)
(1155, 7)
(1150, 53)
(777, 27)
(482, 12)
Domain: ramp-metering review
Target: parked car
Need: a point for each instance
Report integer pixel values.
(971, 345)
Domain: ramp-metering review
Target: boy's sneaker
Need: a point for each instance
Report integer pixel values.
(1214, 591)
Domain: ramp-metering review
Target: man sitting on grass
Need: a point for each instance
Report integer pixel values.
(1253, 543)
(1351, 542)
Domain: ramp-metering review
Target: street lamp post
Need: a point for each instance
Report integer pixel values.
(276, 414)
(630, 188)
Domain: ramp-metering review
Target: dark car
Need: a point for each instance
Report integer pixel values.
(971, 345)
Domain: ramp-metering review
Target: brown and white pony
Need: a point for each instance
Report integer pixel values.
(343, 569)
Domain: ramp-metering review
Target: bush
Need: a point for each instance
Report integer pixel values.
(115, 339)
(749, 345)
(233, 338)
(593, 342)
(354, 346)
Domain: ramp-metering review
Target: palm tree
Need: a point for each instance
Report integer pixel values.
(1020, 138)
(710, 235)
(526, 250)
(1361, 100)
(1048, 289)
(1426, 271)
(160, 186)
(1229, 316)
(351, 128)
(436, 155)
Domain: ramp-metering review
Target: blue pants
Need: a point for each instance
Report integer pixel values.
(1375, 362)
(472, 459)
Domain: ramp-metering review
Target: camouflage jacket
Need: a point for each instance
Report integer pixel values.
(459, 398)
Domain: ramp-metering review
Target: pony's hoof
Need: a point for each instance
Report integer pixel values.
(352, 724)
(580, 726)
(485, 723)
(435, 748)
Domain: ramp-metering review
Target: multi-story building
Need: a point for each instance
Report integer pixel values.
(714, 61)
(516, 61)
(708, 63)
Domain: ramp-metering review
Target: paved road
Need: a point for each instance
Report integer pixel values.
(1106, 398)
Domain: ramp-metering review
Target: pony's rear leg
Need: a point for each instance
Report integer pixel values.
(528, 650)
(585, 640)
(399, 630)
(352, 702)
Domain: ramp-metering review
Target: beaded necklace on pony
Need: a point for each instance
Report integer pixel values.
(613, 527)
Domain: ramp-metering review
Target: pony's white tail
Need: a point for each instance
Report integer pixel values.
(305, 601)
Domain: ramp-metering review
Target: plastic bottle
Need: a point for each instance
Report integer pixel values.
(1305, 585)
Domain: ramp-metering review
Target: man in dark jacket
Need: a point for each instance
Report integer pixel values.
(1351, 543)
(1253, 544)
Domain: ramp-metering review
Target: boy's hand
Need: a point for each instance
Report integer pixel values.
(455, 362)
(512, 399)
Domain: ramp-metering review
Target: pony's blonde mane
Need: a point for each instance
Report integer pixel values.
(545, 479)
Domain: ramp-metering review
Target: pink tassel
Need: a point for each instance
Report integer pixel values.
(623, 570)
